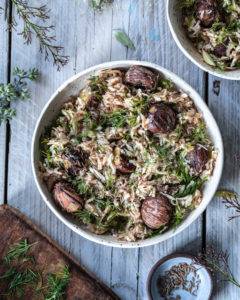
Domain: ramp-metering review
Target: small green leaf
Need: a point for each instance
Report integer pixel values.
(208, 59)
(124, 39)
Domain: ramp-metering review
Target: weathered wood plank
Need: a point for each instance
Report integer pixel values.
(154, 43)
(4, 40)
(224, 103)
(82, 41)
(22, 190)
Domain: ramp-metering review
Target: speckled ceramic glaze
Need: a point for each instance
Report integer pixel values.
(204, 290)
(71, 88)
(174, 16)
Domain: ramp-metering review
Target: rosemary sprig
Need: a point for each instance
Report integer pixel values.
(31, 15)
(217, 262)
(18, 251)
(57, 284)
(17, 280)
(231, 200)
(17, 90)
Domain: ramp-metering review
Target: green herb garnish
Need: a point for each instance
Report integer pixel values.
(124, 39)
(99, 4)
(178, 215)
(18, 280)
(17, 90)
(117, 119)
(166, 84)
(57, 284)
(199, 134)
(17, 251)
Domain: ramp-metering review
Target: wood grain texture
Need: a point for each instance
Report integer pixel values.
(88, 38)
(4, 42)
(224, 103)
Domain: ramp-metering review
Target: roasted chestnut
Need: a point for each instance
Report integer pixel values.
(123, 165)
(220, 50)
(92, 107)
(141, 77)
(67, 198)
(74, 160)
(197, 158)
(161, 119)
(207, 12)
(156, 211)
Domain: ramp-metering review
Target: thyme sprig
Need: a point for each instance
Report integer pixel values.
(217, 262)
(31, 17)
(16, 90)
(231, 200)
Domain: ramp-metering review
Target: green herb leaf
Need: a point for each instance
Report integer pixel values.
(124, 39)
(225, 194)
(57, 284)
(208, 59)
(18, 251)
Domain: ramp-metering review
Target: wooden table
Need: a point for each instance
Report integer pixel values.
(88, 38)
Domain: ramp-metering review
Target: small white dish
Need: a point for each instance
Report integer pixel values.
(71, 88)
(200, 280)
(174, 17)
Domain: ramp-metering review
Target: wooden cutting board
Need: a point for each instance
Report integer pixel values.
(48, 257)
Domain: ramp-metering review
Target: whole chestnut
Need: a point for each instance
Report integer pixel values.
(197, 158)
(207, 12)
(123, 165)
(220, 50)
(74, 160)
(161, 119)
(156, 211)
(141, 77)
(65, 196)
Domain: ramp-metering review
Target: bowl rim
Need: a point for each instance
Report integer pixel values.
(172, 256)
(99, 238)
(203, 66)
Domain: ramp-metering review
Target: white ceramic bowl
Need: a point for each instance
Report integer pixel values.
(72, 87)
(174, 17)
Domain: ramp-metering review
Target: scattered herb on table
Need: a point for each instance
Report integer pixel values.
(18, 251)
(99, 4)
(124, 39)
(21, 273)
(16, 90)
(181, 276)
(231, 200)
(57, 284)
(217, 262)
(34, 23)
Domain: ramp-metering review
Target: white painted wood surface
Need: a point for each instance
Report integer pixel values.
(3, 79)
(88, 38)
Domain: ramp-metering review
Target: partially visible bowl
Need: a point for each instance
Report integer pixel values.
(174, 17)
(71, 88)
(199, 284)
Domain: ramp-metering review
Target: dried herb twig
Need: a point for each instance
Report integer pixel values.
(31, 15)
(217, 263)
(231, 200)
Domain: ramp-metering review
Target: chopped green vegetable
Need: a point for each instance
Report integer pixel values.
(199, 134)
(166, 84)
(124, 39)
(178, 215)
